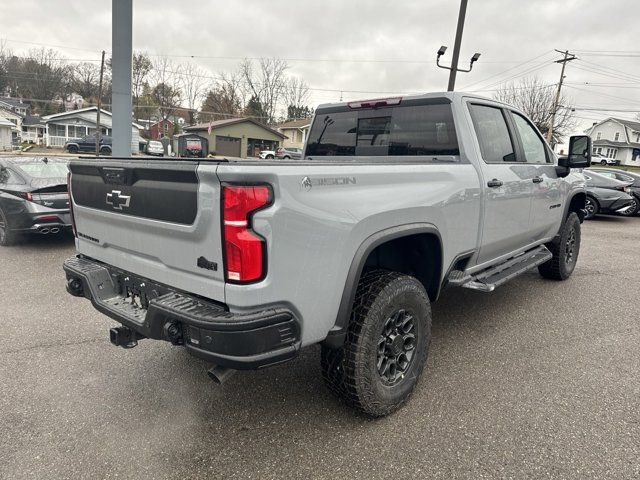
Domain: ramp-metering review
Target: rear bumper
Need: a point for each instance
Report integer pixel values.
(206, 329)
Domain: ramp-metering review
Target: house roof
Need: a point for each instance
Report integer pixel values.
(72, 113)
(300, 123)
(231, 121)
(611, 143)
(5, 112)
(5, 123)
(32, 121)
(14, 102)
(635, 126)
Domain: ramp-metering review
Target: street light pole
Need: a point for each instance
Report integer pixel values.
(456, 46)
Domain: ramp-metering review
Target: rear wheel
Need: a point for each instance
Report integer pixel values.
(386, 347)
(286, 157)
(105, 150)
(7, 236)
(270, 156)
(591, 206)
(72, 149)
(603, 162)
(565, 251)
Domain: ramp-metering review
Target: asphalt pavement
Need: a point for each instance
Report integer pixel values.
(539, 379)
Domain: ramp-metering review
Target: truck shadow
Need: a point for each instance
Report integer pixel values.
(36, 242)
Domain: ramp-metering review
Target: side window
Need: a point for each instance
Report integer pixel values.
(534, 151)
(493, 135)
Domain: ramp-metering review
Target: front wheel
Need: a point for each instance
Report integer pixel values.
(603, 162)
(565, 251)
(632, 209)
(386, 347)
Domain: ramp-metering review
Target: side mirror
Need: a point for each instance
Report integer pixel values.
(579, 153)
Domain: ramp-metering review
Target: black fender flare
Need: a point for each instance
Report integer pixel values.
(336, 336)
(565, 214)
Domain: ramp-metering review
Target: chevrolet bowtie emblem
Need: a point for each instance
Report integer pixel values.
(117, 200)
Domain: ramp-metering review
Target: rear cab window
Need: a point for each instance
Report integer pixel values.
(417, 127)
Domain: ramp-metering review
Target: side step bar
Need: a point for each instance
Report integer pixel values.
(487, 280)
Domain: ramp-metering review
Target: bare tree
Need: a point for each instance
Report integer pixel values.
(193, 86)
(265, 85)
(225, 99)
(166, 89)
(296, 92)
(536, 99)
(85, 79)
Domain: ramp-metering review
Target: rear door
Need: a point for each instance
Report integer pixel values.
(156, 219)
(507, 183)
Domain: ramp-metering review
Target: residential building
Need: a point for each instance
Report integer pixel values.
(16, 120)
(617, 138)
(238, 137)
(296, 132)
(60, 127)
(5, 134)
(33, 129)
(163, 128)
(16, 105)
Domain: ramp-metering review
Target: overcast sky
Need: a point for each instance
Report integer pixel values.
(331, 43)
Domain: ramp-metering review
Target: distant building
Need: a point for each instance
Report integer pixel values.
(61, 127)
(33, 129)
(296, 131)
(73, 101)
(238, 137)
(5, 133)
(617, 138)
(16, 120)
(16, 105)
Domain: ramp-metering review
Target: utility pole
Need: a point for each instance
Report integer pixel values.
(456, 46)
(99, 106)
(567, 58)
(453, 69)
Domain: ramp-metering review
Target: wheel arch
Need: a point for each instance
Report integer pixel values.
(380, 250)
(576, 204)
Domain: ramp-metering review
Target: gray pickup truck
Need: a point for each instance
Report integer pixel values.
(245, 262)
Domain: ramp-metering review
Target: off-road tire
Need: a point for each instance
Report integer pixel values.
(351, 371)
(565, 250)
(72, 149)
(7, 236)
(105, 151)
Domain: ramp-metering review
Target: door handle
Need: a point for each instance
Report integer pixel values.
(537, 179)
(494, 183)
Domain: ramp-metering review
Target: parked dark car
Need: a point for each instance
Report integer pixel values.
(624, 176)
(606, 195)
(289, 152)
(33, 197)
(88, 144)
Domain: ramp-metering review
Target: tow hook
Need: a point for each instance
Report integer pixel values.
(74, 287)
(124, 337)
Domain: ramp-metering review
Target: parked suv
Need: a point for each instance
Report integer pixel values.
(598, 159)
(88, 144)
(289, 152)
(246, 263)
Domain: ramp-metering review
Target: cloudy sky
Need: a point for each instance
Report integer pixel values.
(368, 48)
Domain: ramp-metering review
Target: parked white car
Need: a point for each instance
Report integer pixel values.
(598, 159)
(154, 147)
(267, 154)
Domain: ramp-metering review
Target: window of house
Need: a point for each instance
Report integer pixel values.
(617, 136)
(598, 135)
(493, 134)
(612, 152)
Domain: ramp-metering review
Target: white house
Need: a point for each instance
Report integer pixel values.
(16, 121)
(296, 132)
(5, 133)
(617, 138)
(64, 126)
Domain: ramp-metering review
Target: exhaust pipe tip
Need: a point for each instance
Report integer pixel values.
(43, 230)
(54, 230)
(219, 374)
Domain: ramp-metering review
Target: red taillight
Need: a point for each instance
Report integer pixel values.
(26, 195)
(244, 249)
(73, 220)
(280, 150)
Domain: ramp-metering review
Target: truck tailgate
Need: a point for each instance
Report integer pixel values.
(155, 218)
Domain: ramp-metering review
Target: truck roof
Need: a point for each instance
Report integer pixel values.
(450, 95)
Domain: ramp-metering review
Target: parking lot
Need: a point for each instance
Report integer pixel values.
(538, 379)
